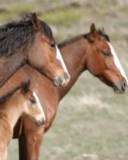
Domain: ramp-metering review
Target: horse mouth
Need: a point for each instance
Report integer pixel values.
(121, 87)
(118, 87)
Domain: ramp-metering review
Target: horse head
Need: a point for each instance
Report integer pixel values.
(33, 107)
(102, 60)
(45, 54)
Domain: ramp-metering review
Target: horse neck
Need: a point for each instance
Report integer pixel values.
(12, 109)
(74, 54)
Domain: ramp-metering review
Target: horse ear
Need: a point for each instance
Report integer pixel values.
(35, 21)
(91, 35)
(92, 28)
(25, 86)
(93, 32)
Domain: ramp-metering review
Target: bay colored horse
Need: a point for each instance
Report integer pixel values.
(30, 40)
(93, 52)
(23, 101)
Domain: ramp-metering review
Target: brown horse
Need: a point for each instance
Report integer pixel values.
(92, 52)
(30, 40)
(23, 101)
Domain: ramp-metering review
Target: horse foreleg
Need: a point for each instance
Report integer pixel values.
(29, 147)
(3, 152)
(30, 144)
(22, 148)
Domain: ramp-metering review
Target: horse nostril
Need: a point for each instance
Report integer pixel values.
(124, 85)
(121, 86)
(58, 81)
(62, 80)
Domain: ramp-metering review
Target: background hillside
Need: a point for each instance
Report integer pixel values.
(92, 121)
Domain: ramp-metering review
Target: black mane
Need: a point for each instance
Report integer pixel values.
(18, 35)
(47, 30)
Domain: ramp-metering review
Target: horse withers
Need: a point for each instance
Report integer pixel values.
(22, 101)
(30, 40)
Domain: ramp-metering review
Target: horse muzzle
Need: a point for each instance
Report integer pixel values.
(40, 122)
(62, 81)
(121, 86)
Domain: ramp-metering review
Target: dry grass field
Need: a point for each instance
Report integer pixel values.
(92, 121)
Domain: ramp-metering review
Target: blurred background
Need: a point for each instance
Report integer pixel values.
(92, 121)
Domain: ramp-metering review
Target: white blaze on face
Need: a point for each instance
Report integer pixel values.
(42, 114)
(117, 62)
(60, 58)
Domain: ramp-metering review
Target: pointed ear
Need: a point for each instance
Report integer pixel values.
(25, 86)
(92, 28)
(94, 35)
(35, 21)
(91, 35)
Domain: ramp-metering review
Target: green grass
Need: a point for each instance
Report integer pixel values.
(65, 17)
(17, 9)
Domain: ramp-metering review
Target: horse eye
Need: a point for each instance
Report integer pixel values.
(33, 100)
(106, 53)
(52, 45)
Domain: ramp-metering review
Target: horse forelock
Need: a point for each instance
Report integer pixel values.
(103, 34)
(47, 30)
